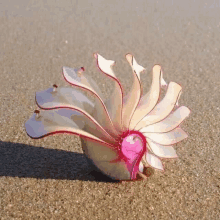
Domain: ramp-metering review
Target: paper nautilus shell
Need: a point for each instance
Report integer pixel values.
(121, 135)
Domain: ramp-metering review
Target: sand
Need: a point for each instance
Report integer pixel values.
(50, 178)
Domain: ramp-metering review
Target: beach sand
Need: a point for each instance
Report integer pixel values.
(50, 178)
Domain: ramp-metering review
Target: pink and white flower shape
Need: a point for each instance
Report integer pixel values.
(121, 135)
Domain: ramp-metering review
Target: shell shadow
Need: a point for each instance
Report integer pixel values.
(21, 160)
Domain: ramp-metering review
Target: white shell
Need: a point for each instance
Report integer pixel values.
(101, 124)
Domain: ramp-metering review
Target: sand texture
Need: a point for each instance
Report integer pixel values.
(50, 178)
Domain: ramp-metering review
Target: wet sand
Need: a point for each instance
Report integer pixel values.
(50, 178)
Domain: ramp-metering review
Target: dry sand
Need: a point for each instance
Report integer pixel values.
(49, 178)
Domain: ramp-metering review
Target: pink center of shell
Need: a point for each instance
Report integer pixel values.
(133, 147)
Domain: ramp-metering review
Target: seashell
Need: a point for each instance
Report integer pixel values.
(120, 136)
